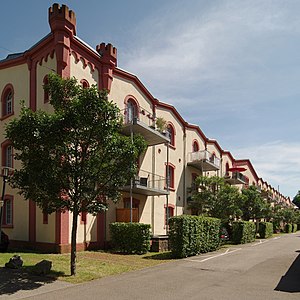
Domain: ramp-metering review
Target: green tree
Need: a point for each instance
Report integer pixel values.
(226, 204)
(296, 199)
(254, 206)
(204, 194)
(74, 158)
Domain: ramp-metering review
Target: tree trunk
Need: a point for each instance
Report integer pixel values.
(73, 243)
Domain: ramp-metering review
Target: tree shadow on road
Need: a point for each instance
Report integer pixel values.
(12, 281)
(290, 281)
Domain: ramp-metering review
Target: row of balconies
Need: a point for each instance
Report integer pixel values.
(146, 183)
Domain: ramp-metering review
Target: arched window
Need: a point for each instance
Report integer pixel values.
(7, 101)
(131, 111)
(46, 94)
(195, 146)
(227, 169)
(85, 84)
(171, 132)
(7, 154)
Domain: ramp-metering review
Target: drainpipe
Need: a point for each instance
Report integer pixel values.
(184, 169)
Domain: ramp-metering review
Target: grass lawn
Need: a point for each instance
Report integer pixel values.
(90, 264)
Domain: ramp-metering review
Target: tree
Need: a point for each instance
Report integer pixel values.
(216, 198)
(203, 197)
(296, 199)
(75, 158)
(226, 205)
(254, 206)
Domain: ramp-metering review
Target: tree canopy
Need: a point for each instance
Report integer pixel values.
(76, 157)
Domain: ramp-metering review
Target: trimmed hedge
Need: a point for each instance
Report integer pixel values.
(295, 226)
(265, 230)
(288, 228)
(191, 235)
(243, 232)
(130, 237)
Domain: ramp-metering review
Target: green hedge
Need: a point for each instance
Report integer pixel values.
(191, 235)
(288, 228)
(130, 237)
(265, 230)
(243, 232)
(294, 227)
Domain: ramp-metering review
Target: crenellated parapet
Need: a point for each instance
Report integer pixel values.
(108, 60)
(62, 18)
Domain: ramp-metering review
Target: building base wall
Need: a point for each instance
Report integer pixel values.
(52, 247)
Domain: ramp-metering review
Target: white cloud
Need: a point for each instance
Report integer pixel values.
(278, 163)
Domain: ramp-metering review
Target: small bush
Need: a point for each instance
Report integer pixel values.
(288, 228)
(265, 230)
(243, 232)
(191, 235)
(295, 226)
(130, 237)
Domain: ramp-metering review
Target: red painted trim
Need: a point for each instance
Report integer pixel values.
(45, 218)
(83, 218)
(101, 228)
(32, 221)
(7, 89)
(172, 181)
(195, 142)
(216, 145)
(4, 146)
(85, 84)
(247, 162)
(46, 94)
(62, 227)
(173, 135)
(132, 99)
(32, 92)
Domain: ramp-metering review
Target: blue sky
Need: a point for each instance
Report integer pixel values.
(231, 67)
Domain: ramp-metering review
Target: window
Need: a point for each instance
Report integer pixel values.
(7, 154)
(171, 132)
(169, 212)
(195, 146)
(131, 111)
(45, 218)
(170, 176)
(46, 94)
(85, 84)
(227, 169)
(7, 101)
(7, 220)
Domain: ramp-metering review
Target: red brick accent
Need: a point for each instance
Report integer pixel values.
(32, 221)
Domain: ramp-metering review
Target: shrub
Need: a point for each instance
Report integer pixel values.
(243, 232)
(265, 230)
(191, 235)
(130, 237)
(288, 228)
(294, 227)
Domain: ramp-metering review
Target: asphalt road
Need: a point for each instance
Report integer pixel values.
(266, 269)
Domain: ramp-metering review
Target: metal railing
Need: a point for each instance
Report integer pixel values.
(240, 176)
(203, 155)
(141, 115)
(150, 180)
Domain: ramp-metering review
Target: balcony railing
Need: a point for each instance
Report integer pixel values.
(236, 178)
(143, 122)
(204, 160)
(147, 183)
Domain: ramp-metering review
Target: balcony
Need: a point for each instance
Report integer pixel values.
(236, 178)
(204, 161)
(149, 184)
(144, 123)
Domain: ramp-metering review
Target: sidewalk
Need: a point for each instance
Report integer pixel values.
(17, 284)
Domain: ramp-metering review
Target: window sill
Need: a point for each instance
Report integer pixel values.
(7, 116)
(7, 226)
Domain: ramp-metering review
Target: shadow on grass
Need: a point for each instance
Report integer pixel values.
(290, 281)
(160, 256)
(12, 281)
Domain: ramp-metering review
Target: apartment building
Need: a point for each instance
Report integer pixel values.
(179, 152)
